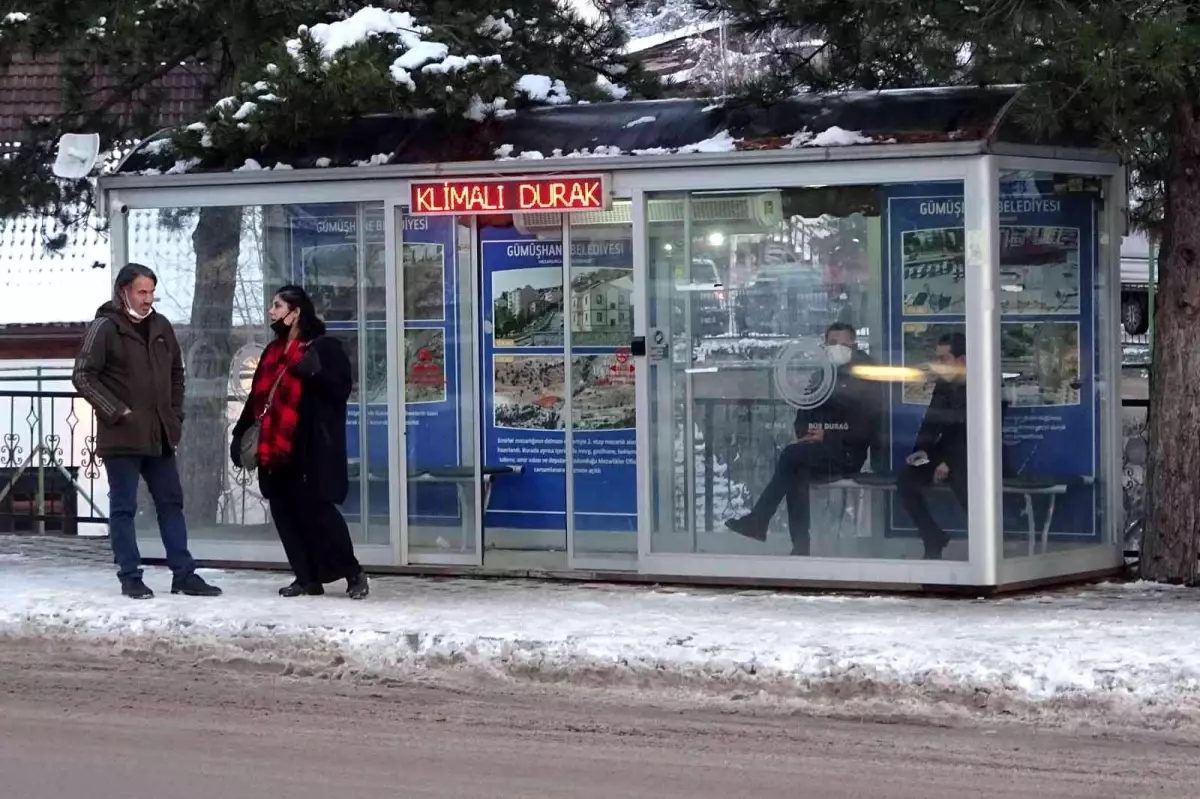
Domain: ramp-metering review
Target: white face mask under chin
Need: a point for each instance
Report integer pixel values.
(138, 317)
(839, 354)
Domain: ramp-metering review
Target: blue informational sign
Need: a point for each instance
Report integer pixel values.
(1049, 361)
(325, 251)
(524, 317)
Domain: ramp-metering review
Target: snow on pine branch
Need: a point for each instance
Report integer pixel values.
(380, 61)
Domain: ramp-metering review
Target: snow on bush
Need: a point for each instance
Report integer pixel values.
(542, 89)
(612, 90)
(366, 23)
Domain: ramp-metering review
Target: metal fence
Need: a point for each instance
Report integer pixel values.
(51, 479)
(49, 472)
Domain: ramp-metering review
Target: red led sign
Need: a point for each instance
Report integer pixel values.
(586, 193)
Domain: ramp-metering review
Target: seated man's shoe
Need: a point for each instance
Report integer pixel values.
(748, 527)
(934, 548)
(193, 585)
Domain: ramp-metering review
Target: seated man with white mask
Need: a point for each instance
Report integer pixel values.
(832, 442)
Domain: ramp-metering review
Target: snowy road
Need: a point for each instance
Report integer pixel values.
(1106, 656)
(81, 719)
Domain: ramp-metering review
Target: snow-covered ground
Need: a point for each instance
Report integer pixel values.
(1114, 654)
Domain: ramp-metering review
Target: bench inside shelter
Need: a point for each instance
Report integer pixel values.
(461, 477)
(1026, 487)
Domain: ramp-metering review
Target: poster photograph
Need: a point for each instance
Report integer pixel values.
(601, 307)
(424, 365)
(331, 278)
(1040, 363)
(529, 391)
(934, 271)
(1039, 270)
(603, 396)
(370, 376)
(424, 282)
(527, 307)
(375, 280)
(920, 343)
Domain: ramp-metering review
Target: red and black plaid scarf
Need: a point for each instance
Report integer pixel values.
(279, 424)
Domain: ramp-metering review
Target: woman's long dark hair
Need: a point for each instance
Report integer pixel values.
(309, 323)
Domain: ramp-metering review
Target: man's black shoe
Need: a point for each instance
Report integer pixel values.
(134, 588)
(193, 585)
(300, 589)
(748, 528)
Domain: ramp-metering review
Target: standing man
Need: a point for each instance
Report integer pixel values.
(940, 453)
(832, 442)
(131, 371)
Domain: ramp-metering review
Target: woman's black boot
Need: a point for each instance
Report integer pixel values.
(298, 588)
(357, 586)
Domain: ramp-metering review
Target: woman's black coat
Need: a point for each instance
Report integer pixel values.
(319, 448)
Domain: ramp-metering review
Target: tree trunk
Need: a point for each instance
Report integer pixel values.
(1171, 541)
(208, 348)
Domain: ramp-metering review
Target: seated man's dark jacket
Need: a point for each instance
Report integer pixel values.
(943, 433)
(849, 418)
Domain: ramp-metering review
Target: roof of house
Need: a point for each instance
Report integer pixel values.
(38, 285)
(30, 86)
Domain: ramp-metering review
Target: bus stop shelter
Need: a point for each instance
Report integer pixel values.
(582, 334)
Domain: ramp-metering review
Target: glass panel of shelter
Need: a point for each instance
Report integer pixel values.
(436, 313)
(1053, 363)
(218, 269)
(602, 423)
(337, 254)
(810, 395)
(523, 407)
(556, 368)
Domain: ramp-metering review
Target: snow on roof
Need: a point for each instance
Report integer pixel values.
(834, 137)
(643, 43)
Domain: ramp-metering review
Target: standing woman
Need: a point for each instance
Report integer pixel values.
(299, 392)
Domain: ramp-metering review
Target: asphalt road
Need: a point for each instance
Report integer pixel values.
(78, 720)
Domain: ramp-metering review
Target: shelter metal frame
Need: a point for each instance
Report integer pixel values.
(977, 165)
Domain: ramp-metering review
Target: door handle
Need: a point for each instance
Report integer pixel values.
(637, 346)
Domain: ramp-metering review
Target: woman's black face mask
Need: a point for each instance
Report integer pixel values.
(281, 327)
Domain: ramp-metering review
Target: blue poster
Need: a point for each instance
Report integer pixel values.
(324, 250)
(1048, 263)
(524, 318)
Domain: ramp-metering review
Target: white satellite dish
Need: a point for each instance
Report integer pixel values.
(77, 154)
